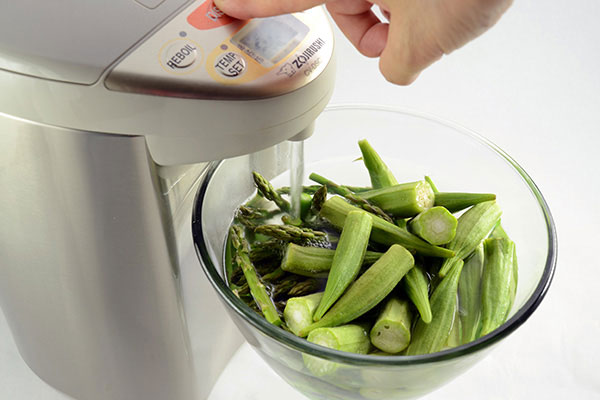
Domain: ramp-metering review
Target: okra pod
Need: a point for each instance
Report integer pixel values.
(432, 337)
(455, 336)
(473, 226)
(298, 312)
(469, 295)
(496, 283)
(498, 232)
(391, 331)
(433, 186)
(315, 262)
(381, 175)
(350, 338)
(335, 210)
(435, 225)
(416, 286)
(454, 202)
(369, 289)
(403, 200)
(347, 259)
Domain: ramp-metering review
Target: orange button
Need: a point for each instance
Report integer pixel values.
(208, 16)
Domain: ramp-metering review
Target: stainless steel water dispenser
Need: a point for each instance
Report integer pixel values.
(108, 112)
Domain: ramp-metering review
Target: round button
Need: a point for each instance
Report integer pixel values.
(180, 55)
(230, 64)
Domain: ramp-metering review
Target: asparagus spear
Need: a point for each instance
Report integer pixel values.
(347, 259)
(269, 249)
(381, 175)
(257, 288)
(290, 233)
(335, 210)
(318, 199)
(265, 188)
(345, 192)
(311, 189)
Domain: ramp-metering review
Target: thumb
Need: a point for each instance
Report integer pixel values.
(246, 9)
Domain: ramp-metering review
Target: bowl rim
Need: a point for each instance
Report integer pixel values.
(291, 341)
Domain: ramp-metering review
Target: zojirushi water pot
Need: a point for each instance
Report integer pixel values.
(109, 112)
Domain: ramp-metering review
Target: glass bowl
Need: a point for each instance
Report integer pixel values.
(413, 145)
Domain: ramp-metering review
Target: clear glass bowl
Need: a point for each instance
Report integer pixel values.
(413, 145)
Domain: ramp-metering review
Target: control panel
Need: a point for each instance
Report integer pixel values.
(203, 53)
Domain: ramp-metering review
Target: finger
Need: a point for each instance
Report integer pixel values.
(414, 46)
(360, 25)
(246, 9)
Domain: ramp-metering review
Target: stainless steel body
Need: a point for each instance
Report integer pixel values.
(91, 276)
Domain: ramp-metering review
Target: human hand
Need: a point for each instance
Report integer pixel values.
(419, 32)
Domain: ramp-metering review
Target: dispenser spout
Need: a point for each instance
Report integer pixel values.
(304, 133)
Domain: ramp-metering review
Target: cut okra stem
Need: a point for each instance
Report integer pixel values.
(298, 312)
(432, 337)
(403, 200)
(473, 226)
(391, 331)
(347, 259)
(335, 210)
(455, 202)
(435, 225)
(416, 286)
(369, 289)
(381, 175)
(469, 295)
(315, 262)
(350, 338)
(433, 187)
(496, 283)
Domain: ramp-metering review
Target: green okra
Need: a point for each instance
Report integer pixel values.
(298, 312)
(257, 288)
(347, 259)
(335, 210)
(403, 200)
(381, 175)
(416, 286)
(496, 283)
(433, 186)
(469, 295)
(473, 226)
(391, 331)
(454, 202)
(350, 338)
(498, 232)
(315, 262)
(369, 289)
(436, 225)
(455, 336)
(432, 337)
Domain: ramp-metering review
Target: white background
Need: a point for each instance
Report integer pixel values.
(531, 85)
